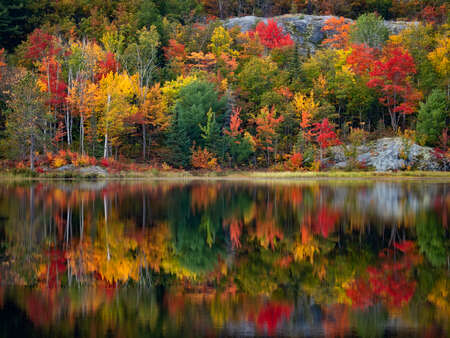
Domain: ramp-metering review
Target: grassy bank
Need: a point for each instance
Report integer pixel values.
(230, 174)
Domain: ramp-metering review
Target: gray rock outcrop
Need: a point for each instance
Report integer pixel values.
(305, 30)
(392, 153)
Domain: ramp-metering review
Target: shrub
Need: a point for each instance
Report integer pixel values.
(58, 162)
(104, 162)
(203, 159)
(296, 161)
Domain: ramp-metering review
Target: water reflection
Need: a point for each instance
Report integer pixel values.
(225, 258)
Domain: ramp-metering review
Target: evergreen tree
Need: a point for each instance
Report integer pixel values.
(433, 117)
(191, 113)
(13, 16)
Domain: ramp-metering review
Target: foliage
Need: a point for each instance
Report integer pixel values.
(432, 118)
(266, 123)
(324, 135)
(272, 36)
(191, 113)
(150, 81)
(203, 159)
(26, 117)
(392, 77)
(369, 30)
(339, 29)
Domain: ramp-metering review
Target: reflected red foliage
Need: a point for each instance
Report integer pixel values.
(56, 266)
(325, 221)
(271, 315)
(390, 283)
(235, 233)
(405, 246)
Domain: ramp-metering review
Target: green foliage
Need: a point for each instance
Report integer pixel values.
(432, 239)
(191, 113)
(13, 25)
(258, 75)
(141, 56)
(369, 29)
(433, 118)
(211, 133)
(26, 118)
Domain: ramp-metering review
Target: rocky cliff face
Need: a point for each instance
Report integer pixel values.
(304, 29)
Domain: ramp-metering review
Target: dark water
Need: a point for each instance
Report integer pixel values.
(225, 258)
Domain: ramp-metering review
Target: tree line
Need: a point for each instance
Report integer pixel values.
(181, 91)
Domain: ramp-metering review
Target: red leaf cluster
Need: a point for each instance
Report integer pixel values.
(393, 79)
(107, 65)
(324, 134)
(271, 35)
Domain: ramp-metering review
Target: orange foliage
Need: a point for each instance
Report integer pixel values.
(340, 30)
(296, 160)
(235, 233)
(265, 128)
(64, 157)
(2, 63)
(235, 124)
(203, 159)
(361, 59)
(201, 61)
(203, 196)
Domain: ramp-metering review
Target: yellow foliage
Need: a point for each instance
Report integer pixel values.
(221, 42)
(59, 162)
(113, 97)
(305, 251)
(42, 85)
(171, 89)
(315, 166)
(440, 296)
(154, 108)
(440, 57)
(306, 108)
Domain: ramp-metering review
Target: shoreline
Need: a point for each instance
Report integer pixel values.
(225, 175)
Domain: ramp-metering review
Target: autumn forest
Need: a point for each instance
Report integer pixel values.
(135, 85)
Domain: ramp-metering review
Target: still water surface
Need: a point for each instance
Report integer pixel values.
(225, 258)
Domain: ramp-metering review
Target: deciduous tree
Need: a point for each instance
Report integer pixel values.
(391, 76)
(266, 124)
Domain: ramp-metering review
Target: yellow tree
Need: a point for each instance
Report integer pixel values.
(440, 59)
(152, 112)
(221, 42)
(306, 108)
(81, 99)
(113, 105)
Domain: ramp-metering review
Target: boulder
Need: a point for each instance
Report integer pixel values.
(93, 171)
(391, 153)
(67, 167)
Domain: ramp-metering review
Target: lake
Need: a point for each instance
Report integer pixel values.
(226, 258)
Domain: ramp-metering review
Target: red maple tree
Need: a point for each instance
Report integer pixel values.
(324, 135)
(40, 45)
(392, 78)
(271, 35)
(108, 64)
(174, 50)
